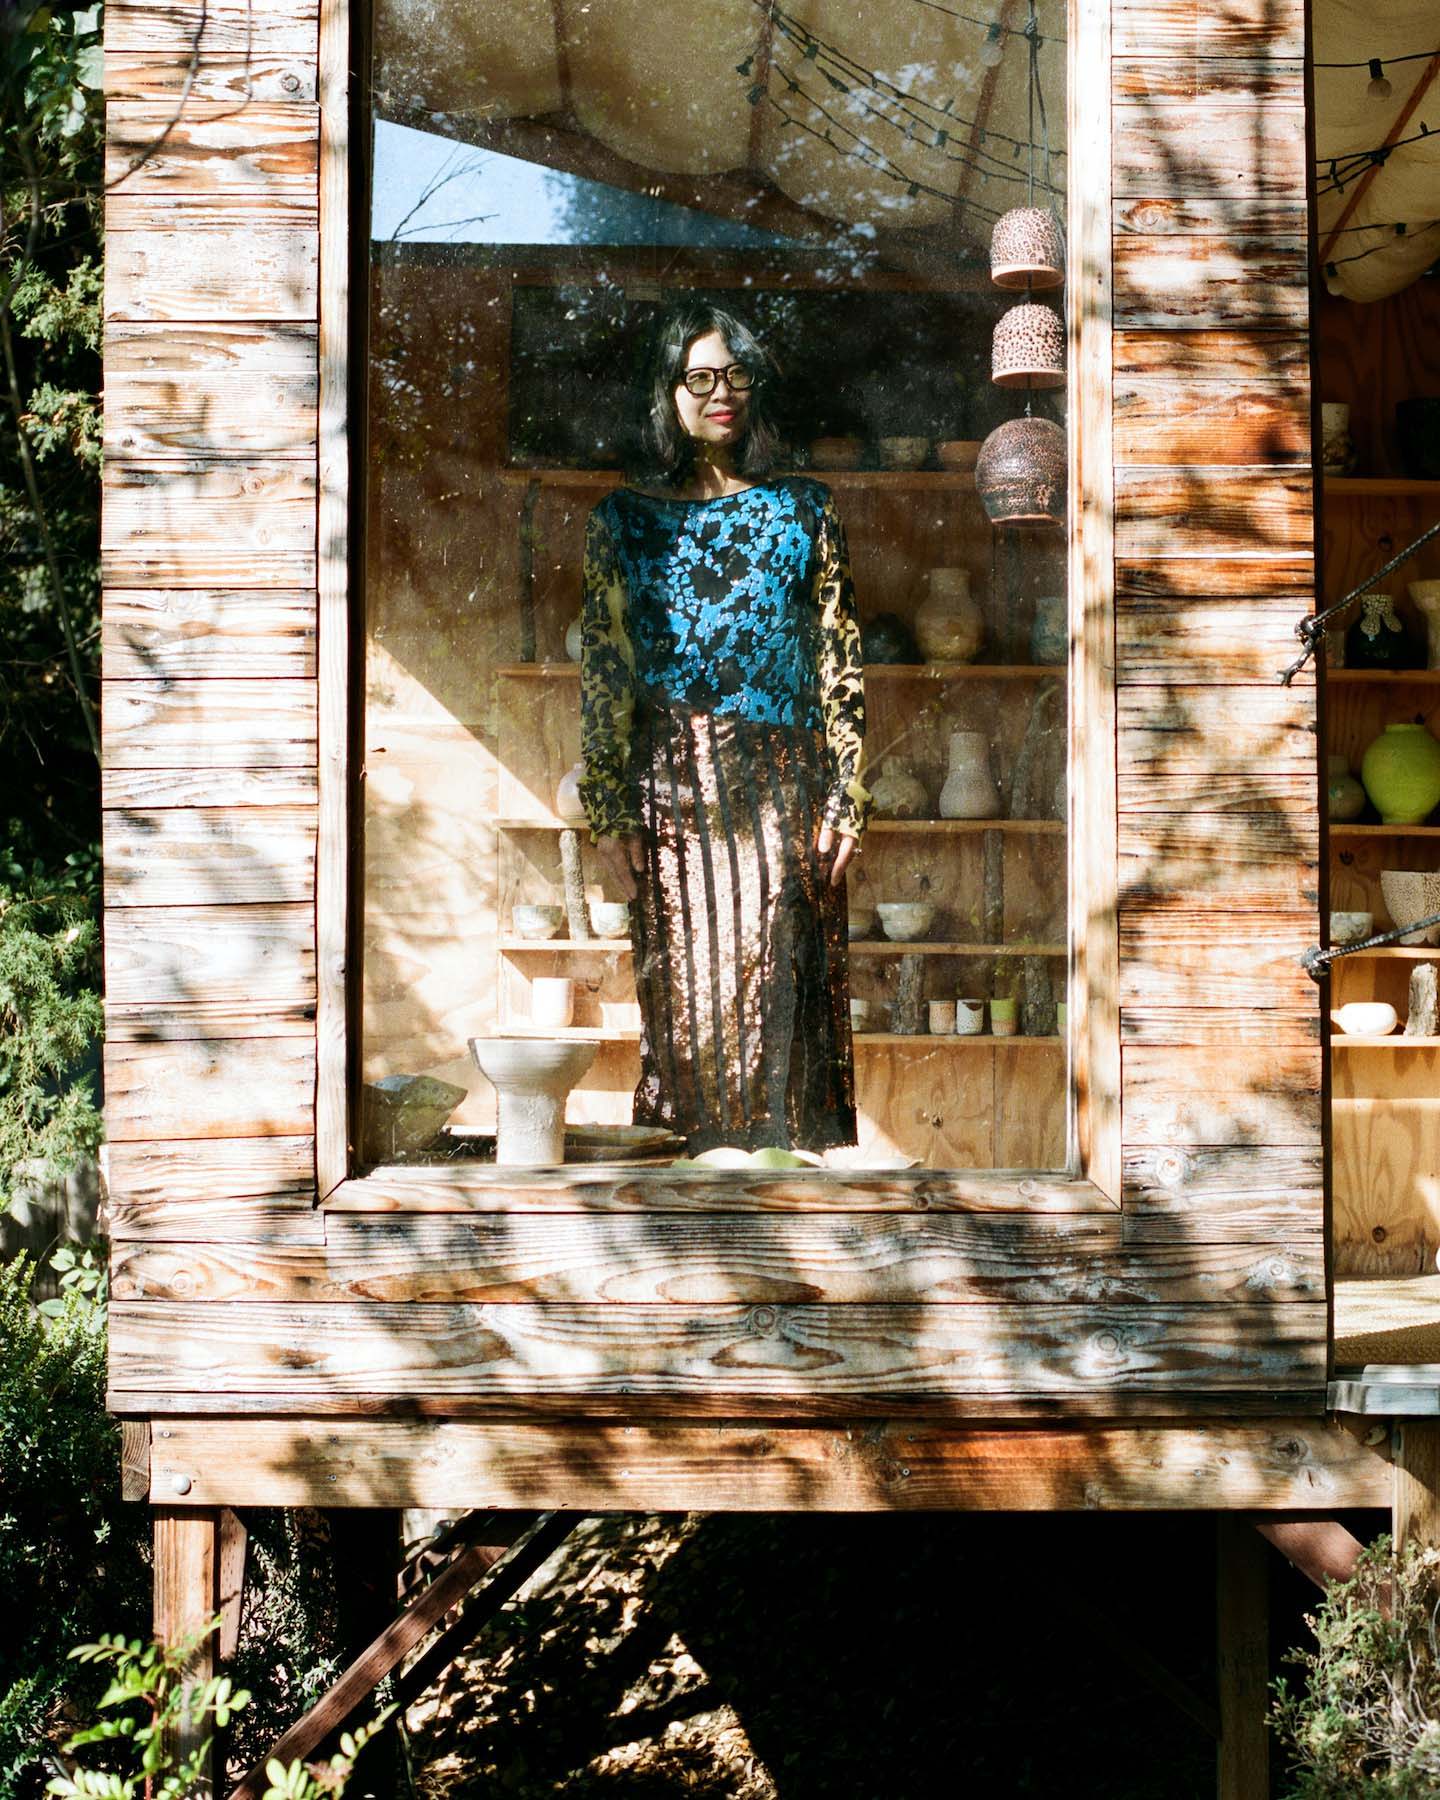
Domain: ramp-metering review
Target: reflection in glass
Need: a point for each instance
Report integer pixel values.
(536, 204)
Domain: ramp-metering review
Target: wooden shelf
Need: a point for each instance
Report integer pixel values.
(924, 1040)
(1399, 487)
(562, 671)
(858, 947)
(1394, 1041)
(1394, 952)
(948, 479)
(603, 1034)
(589, 1034)
(1385, 831)
(1044, 826)
(1387, 677)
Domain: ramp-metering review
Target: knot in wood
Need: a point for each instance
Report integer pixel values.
(763, 1320)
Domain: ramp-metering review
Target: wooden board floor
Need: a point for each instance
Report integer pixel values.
(1388, 1319)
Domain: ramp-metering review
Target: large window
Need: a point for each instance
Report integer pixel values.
(546, 182)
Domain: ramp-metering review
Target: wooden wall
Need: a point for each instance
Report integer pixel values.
(234, 1295)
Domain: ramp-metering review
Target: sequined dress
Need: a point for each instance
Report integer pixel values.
(723, 717)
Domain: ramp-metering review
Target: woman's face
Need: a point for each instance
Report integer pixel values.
(719, 417)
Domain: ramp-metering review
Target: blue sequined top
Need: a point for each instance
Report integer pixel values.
(743, 605)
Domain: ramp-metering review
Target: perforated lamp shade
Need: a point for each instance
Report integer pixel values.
(1028, 348)
(1027, 249)
(1020, 473)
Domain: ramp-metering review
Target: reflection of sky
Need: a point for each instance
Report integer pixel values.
(431, 189)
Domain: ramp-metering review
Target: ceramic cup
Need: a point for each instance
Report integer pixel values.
(942, 1018)
(969, 1017)
(1003, 1022)
(861, 1013)
(552, 1001)
(537, 921)
(610, 918)
(1366, 1018)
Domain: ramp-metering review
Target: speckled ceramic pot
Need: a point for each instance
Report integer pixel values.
(1028, 348)
(1401, 773)
(1027, 249)
(1020, 474)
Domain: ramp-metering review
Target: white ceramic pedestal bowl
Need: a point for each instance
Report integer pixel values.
(1412, 894)
(533, 1077)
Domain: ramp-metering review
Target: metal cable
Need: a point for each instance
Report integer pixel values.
(1311, 629)
(1316, 962)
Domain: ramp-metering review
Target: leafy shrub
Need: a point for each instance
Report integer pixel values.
(1366, 1723)
(72, 1553)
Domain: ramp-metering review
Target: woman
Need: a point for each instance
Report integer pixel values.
(722, 719)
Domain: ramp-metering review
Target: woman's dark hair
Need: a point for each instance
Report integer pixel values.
(667, 451)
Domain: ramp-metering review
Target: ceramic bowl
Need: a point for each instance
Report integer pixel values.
(1412, 894)
(1350, 927)
(862, 1013)
(610, 918)
(905, 921)
(903, 452)
(1366, 1018)
(537, 921)
(862, 921)
(836, 453)
(957, 453)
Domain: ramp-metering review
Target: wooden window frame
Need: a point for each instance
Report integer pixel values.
(1091, 1180)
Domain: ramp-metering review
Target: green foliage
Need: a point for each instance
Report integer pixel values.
(1365, 1725)
(145, 1708)
(50, 1016)
(72, 1554)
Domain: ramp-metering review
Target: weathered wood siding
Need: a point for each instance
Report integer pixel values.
(234, 1294)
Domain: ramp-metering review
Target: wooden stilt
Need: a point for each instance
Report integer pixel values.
(1415, 1508)
(1242, 1621)
(187, 1564)
(230, 1577)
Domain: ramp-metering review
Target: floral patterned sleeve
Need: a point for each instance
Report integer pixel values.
(607, 690)
(842, 683)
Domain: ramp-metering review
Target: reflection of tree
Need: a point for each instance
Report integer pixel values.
(595, 212)
(456, 167)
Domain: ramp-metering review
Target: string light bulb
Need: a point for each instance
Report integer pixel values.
(1378, 88)
(993, 49)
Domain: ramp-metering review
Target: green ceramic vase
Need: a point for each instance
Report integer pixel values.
(1401, 773)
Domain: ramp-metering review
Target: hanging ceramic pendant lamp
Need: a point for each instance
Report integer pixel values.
(1020, 473)
(1028, 348)
(1027, 249)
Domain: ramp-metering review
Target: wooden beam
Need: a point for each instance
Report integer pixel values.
(1323, 1550)
(134, 1459)
(472, 1566)
(1415, 1507)
(1242, 1623)
(186, 1565)
(231, 1557)
(1283, 1464)
(1396, 131)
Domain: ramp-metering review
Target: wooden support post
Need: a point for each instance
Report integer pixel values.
(187, 1562)
(1415, 1508)
(230, 1586)
(1242, 1619)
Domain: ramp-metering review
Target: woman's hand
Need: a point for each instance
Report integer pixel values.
(837, 844)
(624, 857)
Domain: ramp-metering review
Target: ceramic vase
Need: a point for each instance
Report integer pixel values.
(568, 804)
(1344, 794)
(1426, 595)
(1337, 453)
(949, 625)
(1050, 632)
(898, 792)
(573, 633)
(969, 791)
(1377, 639)
(1401, 772)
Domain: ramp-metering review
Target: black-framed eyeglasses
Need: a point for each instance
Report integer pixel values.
(701, 382)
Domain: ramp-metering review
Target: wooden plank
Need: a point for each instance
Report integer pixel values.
(1169, 958)
(1143, 1022)
(1093, 1124)
(1243, 1193)
(134, 1459)
(204, 524)
(160, 955)
(245, 269)
(1214, 217)
(1167, 419)
(1415, 1507)
(208, 855)
(841, 1260)
(1196, 511)
(1290, 1464)
(137, 1023)
(1177, 1096)
(332, 873)
(244, 722)
(1220, 750)
(1385, 1122)
(236, 78)
(185, 1180)
(186, 1585)
(1242, 1641)
(135, 351)
(212, 148)
(174, 415)
(1272, 578)
(222, 1087)
(230, 1585)
(1211, 150)
(207, 633)
(234, 27)
(1186, 29)
(577, 1189)
(1221, 357)
(160, 790)
(1219, 642)
(1182, 79)
(1210, 281)
(193, 1358)
(1229, 863)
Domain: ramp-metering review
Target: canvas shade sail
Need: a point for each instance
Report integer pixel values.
(1365, 201)
(876, 119)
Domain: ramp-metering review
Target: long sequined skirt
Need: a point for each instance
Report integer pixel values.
(739, 940)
